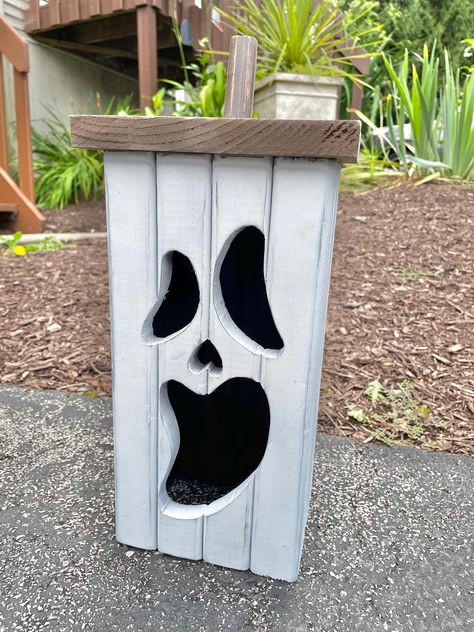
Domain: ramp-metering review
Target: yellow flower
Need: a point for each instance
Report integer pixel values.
(19, 250)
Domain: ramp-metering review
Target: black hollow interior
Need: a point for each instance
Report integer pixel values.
(243, 289)
(223, 437)
(181, 300)
(208, 353)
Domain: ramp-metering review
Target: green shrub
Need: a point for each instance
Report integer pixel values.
(439, 139)
(205, 94)
(411, 23)
(302, 36)
(64, 174)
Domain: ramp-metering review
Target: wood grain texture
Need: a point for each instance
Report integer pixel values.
(147, 59)
(338, 140)
(240, 77)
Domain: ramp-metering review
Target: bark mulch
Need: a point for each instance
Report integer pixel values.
(401, 316)
(85, 218)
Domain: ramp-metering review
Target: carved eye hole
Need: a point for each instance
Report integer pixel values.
(178, 302)
(241, 296)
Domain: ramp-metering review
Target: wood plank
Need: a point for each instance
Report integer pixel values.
(54, 12)
(23, 133)
(303, 212)
(32, 15)
(84, 9)
(117, 5)
(13, 46)
(105, 7)
(3, 122)
(93, 49)
(184, 215)
(194, 17)
(29, 219)
(103, 30)
(95, 7)
(74, 11)
(227, 533)
(338, 140)
(6, 207)
(131, 192)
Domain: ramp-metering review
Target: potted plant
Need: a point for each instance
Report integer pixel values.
(306, 48)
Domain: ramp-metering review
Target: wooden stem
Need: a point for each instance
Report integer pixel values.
(147, 56)
(240, 77)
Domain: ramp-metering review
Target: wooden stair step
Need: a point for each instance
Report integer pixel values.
(6, 207)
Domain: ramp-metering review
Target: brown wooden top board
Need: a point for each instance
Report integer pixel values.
(338, 140)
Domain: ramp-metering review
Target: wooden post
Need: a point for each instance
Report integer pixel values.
(147, 55)
(240, 77)
(54, 13)
(357, 98)
(3, 123)
(23, 134)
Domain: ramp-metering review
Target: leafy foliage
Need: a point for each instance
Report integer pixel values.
(411, 23)
(396, 414)
(430, 131)
(63, 174)
(302, 36)
(205, 94)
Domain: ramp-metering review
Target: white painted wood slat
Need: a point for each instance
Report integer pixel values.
(131, 219)
(301, 235)
(184, 217)
(241, 198)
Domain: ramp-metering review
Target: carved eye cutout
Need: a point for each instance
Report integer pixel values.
(241, 297)
(178, 299)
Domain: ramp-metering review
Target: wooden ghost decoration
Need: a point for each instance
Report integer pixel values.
(220, 242)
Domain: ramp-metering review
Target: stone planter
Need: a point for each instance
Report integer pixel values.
(290, 96)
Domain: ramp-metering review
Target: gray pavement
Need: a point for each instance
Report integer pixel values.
(389, 543)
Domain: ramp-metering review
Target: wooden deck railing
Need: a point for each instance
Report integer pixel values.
(13, 198)
(60, 12)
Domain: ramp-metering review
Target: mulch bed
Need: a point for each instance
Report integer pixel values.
(86, 218)
(401, 308)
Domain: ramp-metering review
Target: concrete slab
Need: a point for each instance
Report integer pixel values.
(389, 543)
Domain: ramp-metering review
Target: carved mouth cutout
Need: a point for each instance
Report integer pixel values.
(223, 437)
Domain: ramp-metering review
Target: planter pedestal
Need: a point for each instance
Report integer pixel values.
(294, 96)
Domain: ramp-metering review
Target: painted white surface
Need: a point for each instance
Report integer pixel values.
(201, 203)
(69, 84)
(131, 219)
(58, 80)
(293, 96)
(184, 218)
(304, 201)
(241, 197)
(13, 11)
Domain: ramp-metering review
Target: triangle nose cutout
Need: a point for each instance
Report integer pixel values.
(207, 357)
